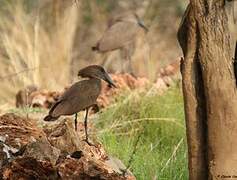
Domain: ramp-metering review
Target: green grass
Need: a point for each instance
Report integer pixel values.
(162, 150)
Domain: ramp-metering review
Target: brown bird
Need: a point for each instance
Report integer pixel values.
(81, 95)
(120, 34)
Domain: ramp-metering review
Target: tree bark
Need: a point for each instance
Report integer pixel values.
(209, 89)
(194, 99)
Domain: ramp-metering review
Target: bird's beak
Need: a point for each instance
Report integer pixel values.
(141, 23)
(109, 80)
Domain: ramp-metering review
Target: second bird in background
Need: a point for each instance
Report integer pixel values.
(121, 34)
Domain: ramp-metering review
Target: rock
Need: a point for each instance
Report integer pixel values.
(29, 168)
(63, 136)
(38, 99)
(116, 164)
(34, 97)
(160, 84)
(123, 82)
(45, 99)
(4, 155)
(7, 153)
(23, 96)
(171, 69)
(20, 135)
(17, 131)
(89, 169)
(58, 152)
(76, 155)
(42, 150)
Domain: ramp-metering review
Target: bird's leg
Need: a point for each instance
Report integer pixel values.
(85, 125)
(75, 122)
(124, 52)
(127, 51)
(130, 69)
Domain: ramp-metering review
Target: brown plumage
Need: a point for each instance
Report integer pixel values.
(81, 95)
(121, 31)
(120, 34)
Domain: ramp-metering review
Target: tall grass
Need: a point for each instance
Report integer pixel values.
(39, 38)
(161, 152)
(29, 53)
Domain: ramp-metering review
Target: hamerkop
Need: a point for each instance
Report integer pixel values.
(120, 34)
(81, 95)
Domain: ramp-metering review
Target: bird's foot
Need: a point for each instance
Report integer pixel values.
(89, 143)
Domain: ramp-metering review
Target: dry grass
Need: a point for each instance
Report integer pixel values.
(38, 43)
(30, 54)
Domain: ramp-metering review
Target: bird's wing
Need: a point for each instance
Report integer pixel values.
(78, 97)
(118, 35)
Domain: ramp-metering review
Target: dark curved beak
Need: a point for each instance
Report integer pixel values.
(141, 24)
(109, 80)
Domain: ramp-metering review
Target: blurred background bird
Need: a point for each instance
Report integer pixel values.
(121, 34)
(81, 95)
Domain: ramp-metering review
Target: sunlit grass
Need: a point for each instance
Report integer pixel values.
(162, 150)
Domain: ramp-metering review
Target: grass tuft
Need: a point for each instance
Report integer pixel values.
(162, 150)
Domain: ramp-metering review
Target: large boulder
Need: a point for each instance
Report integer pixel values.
(55, 151)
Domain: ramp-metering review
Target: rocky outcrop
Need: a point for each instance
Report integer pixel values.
(29, 168)
(55, 151)
(23, 97)
(167, 75)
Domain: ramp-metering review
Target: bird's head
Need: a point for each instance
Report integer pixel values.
(96, 71)
(129, 17)
(141, 23)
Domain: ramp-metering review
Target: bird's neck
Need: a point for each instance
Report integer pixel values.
(96, 81)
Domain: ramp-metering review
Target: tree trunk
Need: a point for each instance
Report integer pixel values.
(209, 89)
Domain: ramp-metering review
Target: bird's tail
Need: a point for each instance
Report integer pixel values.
(50, 118)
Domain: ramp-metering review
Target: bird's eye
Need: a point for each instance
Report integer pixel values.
(102, 70)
